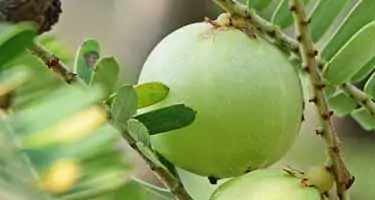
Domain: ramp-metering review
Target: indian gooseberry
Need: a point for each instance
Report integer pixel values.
(265, 184)
(247, 96)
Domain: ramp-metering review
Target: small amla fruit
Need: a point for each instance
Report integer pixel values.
(247, 96)
(265, 184)
(320, 177)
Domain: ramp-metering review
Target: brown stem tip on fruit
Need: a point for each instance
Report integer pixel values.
(44, 13)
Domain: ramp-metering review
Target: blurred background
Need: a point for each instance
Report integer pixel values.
(129, 29)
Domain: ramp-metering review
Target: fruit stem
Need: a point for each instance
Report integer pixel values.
(308, 53)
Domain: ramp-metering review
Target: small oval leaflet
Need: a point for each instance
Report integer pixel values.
(87, 55)
(167, 118)
(342, 104)
(105, 74)
(151, 93)
(364, 118)
(354, 55)
(124, 105)
(139, 132)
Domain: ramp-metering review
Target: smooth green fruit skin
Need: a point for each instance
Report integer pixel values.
(265, 184)
(247, 96)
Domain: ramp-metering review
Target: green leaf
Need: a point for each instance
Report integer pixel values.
(364, 72)
(354, 55)
(87, 56)
(370, 86)
(14, 39)
(323, 16)
(282, 15)
(364, 118)
(156, 191)
(124, 105)
(167, 118)
(139, 132)
(62, 103)
(41, 84)
(361, 14)
(151, 93)
(342, 104)
(258, 4)
(106, 74)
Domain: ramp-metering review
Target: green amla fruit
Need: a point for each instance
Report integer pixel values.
(265, 184)
(247, 96)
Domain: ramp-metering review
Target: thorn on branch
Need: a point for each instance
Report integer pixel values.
(328, 115)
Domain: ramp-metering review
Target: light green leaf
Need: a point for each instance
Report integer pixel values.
(14, 39)
(342, 104)
(106, 74)
(258, 4)
(354, 55)
(282, 15)
(124, 105)
(139, 132)
(167, 118)
(370, 86)
(156, 191)
(151, 93)
(364, 118)
(62, 103)
(323, 15)
(365, 71)
(361, 14)
(87, 56)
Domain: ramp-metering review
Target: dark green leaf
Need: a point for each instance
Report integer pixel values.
(14, 39)
(282, 15)
(258, 4)
(138, 131)
(354, 55)
(156, 191)
(364, 118)
(87, 56)
(364, 72)
(323, 15)
(361, 14)
(342, 104)
(106, 74)
(167, 118)
(151, 93)
(125, 104)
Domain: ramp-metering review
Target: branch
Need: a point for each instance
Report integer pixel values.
(360, 97)
(173, 183)
(53, 62)
(308, 54)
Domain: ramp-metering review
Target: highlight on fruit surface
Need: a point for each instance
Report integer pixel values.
(246, 93)
(265, 184)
